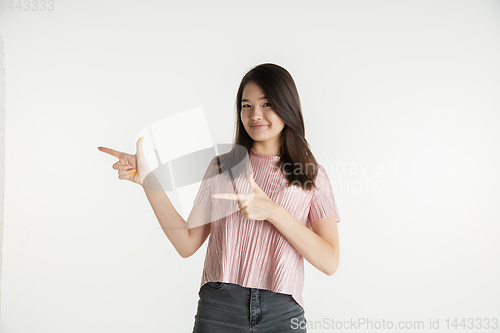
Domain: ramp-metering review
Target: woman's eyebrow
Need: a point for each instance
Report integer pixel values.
(246, 100)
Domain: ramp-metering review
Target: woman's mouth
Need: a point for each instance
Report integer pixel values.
(259, 127)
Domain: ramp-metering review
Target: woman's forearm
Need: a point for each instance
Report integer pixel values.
(311, 246)
(173, 225)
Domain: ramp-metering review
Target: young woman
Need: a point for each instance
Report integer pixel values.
(253, 273)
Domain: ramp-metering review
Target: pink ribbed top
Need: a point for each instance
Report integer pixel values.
(253, 253)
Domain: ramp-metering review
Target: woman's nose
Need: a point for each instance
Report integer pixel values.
(257, 114)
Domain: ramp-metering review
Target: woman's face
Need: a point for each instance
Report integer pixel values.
(255, 109)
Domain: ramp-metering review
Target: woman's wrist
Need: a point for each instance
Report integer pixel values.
(275, 212)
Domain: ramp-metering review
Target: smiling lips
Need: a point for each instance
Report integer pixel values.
(259, 126)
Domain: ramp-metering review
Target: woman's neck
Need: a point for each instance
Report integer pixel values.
(271, 150)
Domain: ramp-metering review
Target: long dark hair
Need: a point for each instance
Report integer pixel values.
(296, 159)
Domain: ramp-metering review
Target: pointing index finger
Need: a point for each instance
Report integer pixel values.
(110, 151)
(230, 196)
(113, 152)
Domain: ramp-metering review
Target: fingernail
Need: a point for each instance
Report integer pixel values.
(142, 139)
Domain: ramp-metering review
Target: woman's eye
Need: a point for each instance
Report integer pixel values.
(244, 105)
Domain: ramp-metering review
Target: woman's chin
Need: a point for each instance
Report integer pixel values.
(259, 138)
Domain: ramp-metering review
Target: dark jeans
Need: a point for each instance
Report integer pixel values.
(230, 308)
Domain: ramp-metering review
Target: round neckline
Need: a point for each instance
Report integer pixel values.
(264, 156)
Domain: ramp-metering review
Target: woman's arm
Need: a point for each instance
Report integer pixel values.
(185, 241)
(319, 246)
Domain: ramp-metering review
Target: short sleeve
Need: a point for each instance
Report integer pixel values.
(204, 196)
(323, 202)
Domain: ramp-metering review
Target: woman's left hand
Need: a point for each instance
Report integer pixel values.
(253, 206)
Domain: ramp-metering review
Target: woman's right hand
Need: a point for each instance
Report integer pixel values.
(130, 167)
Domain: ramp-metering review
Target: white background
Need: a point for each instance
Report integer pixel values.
(400, 100)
